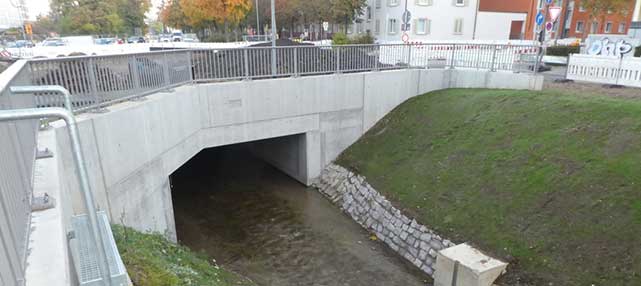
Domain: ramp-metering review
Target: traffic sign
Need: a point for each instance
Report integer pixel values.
(540, 18)
(549, 26)
(554, 12)
(407, 16)
(548, 2)
(325, 26)
(405, 37)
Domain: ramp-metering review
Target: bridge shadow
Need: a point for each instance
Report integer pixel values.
(256, 220)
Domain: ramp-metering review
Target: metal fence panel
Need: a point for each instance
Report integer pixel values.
(17, 154)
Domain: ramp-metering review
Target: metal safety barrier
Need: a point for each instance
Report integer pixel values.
(98, 81)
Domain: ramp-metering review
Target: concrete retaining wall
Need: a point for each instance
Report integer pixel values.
(413, 241)
(132, 149)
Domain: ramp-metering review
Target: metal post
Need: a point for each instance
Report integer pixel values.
(190, 56)
(378, 57)
(539, 59)
(166, 70)
(409, 56)
(338, 59)
(135, 75)
(92, 80)
(494, 48)
(453, 55)
(295, 61)
(81, 171)
(273, 38)
(246, 60)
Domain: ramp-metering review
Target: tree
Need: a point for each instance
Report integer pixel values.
(98, 16)
(347, 10)
(172, 14)
(202, 13)
(132, 13)
(600, 7)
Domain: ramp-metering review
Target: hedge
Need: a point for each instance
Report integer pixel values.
(562, 51)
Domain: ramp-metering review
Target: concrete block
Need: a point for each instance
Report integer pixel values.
(467, 266)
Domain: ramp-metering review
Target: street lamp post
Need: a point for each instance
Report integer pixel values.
(273, 38)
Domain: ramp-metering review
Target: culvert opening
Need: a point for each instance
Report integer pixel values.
(257, 221)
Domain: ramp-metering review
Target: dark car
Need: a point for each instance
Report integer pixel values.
(133, 40)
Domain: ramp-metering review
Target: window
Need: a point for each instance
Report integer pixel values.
(359, 28)
(392, 2)
(459, 3)
(350, 29)
(369, 13)
(458, 26)
(622, 28)
(377, 27)
(422, 26)
(580, 27)
(608, 27)
(423, 2)
(392, 26)
(378, 4)
(594, 28)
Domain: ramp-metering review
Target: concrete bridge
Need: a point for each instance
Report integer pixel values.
(297, 124)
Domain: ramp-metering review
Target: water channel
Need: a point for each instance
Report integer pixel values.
(257, 221)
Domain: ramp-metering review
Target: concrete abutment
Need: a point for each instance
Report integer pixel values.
(299, 125)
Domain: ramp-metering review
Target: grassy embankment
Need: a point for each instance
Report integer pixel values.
(550, 181)
(151, 260)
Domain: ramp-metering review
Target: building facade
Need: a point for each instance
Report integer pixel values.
(494, 20)
(430, 19)
(578, 22)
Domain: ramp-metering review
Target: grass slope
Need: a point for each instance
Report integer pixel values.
(550, 181)
(151, 260)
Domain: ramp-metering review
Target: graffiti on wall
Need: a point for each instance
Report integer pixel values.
(605, 47)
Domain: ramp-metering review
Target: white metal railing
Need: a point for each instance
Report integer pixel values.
(96, 81)
(605, 70)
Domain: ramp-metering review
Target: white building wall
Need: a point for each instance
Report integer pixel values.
(497, 25)
(442, 15)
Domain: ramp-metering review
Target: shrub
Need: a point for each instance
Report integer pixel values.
(340, 39)
(363, 40)
(562, 51)
(637, 51)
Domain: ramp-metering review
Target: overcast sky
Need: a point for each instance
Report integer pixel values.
(38, 7)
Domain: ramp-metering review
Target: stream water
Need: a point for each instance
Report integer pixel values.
(256, 221)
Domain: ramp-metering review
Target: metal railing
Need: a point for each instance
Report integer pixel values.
(17, 154)
(97, 81)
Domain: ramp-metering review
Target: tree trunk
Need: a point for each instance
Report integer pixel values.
(226, 28)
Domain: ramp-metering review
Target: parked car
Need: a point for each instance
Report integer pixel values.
(135, 39)
(177, 37)
(165, 39)
(53, 42)
(191, 38)
(20, 44)
(106, 41)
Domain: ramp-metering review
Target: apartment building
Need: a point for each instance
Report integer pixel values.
(431, 19)
(635, 26)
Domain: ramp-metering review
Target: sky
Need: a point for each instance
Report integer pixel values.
(41, 7)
